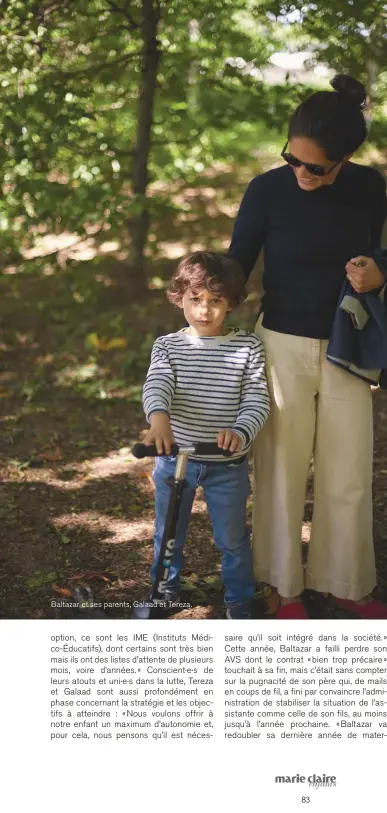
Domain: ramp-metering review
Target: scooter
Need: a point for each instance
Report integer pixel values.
(156, 605)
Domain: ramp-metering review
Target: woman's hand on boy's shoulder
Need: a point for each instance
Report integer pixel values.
(160, 433)
(227, 439)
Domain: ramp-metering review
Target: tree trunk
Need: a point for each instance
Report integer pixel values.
(139, 224)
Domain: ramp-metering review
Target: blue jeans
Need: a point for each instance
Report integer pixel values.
(226, 488)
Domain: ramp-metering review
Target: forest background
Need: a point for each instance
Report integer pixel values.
(129, 130)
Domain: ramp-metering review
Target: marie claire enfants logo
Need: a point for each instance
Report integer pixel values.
(314, 780)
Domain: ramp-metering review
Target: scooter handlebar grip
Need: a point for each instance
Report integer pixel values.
(142, 450)
(211, 449)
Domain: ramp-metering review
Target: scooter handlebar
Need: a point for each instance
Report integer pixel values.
(141, 450)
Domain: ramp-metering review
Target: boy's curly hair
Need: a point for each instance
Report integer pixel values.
(204, 269)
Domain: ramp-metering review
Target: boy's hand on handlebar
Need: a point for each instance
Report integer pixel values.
(160, 433)
(227, 439)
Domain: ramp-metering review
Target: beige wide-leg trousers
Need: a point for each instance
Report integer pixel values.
(320, 409)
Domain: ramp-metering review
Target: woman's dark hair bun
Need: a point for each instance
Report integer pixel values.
(351, 88)
(335, 121)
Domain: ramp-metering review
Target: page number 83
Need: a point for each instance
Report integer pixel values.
(305, 799)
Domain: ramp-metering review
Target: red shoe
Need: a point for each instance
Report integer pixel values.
(293, 611)
(372, 609)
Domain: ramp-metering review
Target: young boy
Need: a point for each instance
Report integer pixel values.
(207, 383)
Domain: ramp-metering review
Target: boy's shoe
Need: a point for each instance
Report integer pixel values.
(169, 595)
(239, 612)
(172, 596)
(148, 608)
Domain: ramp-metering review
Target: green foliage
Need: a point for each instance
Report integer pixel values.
(70, 75)
(349, 35)
(40, 579)
(72, 78)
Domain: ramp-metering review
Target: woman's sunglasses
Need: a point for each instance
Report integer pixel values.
(314, 169)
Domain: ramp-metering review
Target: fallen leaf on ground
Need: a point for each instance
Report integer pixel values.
(272, 603)
(39, 581)
(51, 458)
(61, 591)
(146, 476)
(92, 574)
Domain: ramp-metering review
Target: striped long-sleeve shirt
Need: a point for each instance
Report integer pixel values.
(208, 384)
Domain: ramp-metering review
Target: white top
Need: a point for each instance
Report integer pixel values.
(208, 384)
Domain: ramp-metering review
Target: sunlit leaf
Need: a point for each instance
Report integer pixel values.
(61, 591)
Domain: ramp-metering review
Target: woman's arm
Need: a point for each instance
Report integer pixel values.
(250, 226)
(159, 387)
(370, 273)
(379, 210)
(157, 397)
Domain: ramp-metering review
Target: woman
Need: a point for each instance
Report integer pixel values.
(318, 218)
